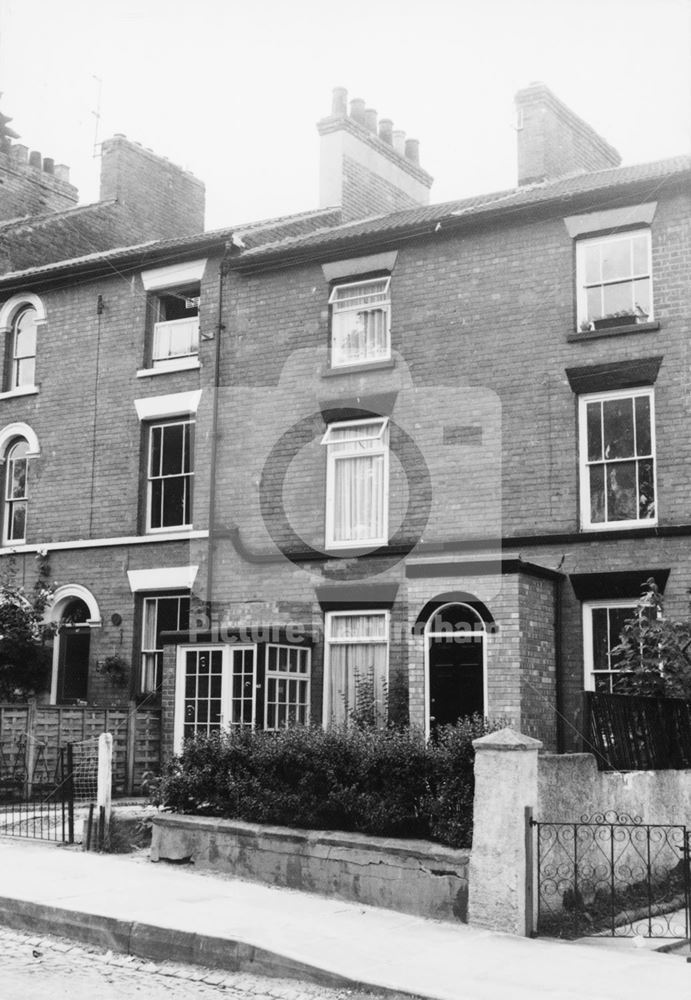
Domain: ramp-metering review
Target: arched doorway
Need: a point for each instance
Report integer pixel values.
(456, 657)
(74, 612)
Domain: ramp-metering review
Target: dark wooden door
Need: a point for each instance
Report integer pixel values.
(456, 679)
(73, 665)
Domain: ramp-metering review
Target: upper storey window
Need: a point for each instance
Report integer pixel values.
(614, 280)
(22, 367)
(360, 322)
(175, 334)
(174, 295)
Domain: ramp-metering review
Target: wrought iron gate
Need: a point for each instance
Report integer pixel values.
(613, 875)
(36, 800)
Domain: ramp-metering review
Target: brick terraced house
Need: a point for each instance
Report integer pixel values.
(434, 448)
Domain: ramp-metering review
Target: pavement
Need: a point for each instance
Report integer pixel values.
(126, 904)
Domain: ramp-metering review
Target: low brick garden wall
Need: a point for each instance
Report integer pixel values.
(411, 876)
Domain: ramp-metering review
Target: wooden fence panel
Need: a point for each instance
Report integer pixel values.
(636, 733)
(136, 735)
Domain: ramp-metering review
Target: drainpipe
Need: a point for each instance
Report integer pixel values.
(558, 677)
(220, 327)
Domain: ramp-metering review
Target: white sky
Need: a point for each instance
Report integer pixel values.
(231, 89)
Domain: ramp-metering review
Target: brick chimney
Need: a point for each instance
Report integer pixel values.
(365, 170)
(30, 184)
(554, 142)
(162, 200)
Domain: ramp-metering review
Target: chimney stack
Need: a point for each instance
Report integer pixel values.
(554, 142)
(163, 201)
(29, 184)
(364, 170)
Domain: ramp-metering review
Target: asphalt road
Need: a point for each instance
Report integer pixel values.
(33, 968)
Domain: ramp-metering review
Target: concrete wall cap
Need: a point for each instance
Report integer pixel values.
(507, 739)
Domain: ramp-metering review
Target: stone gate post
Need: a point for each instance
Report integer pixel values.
(505, 783)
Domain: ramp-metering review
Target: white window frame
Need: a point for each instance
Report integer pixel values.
(9, 501)
(329, 642)
(333, 456)
(385, 307)
(226, 688)
(588, 660)
(584, 464)
(148, 651)
(581, 288)
(304, 677)
(151, 479)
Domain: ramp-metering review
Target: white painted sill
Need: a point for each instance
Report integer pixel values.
(25, 390)
(188, 364)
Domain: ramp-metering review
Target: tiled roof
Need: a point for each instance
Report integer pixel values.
(427, 218)
(39, 238)
(43, 239)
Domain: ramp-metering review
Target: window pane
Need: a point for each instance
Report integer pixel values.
(594, 422)
(172, 457)
(646, 488)
(618, 298)
(25, 372)
(18, 528)
(641, 296)
(597, 494)
(616, 259)
(618, 428)
(640, 254)
(600, 639)
(643, 442)
(622, 502)
(591, 255)
(155, 463)
(156, 503)
(594, 302)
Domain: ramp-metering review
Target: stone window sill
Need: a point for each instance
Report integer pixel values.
(366, 366)
(613, 331)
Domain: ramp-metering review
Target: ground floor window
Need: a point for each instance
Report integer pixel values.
(603, 622)
(161, 613)
(260, 686)
(357, 664)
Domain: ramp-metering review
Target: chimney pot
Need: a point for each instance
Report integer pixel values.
(62, 172)
(399, 142)
(35, 159)
(371, 119)
(357, 110)
(48, 165)
(385, 131)
(20, 153)
(412, 150)
(339, 102)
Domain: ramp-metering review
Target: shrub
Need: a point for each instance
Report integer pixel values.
(385, 782)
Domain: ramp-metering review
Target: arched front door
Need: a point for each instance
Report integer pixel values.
(74, 642)
(456, 642)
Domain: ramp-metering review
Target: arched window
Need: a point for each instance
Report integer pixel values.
(16, 495)
(22, 366)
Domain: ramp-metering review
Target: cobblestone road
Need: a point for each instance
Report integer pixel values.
(48, 968)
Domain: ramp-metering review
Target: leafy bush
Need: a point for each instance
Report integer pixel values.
(385, 782)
